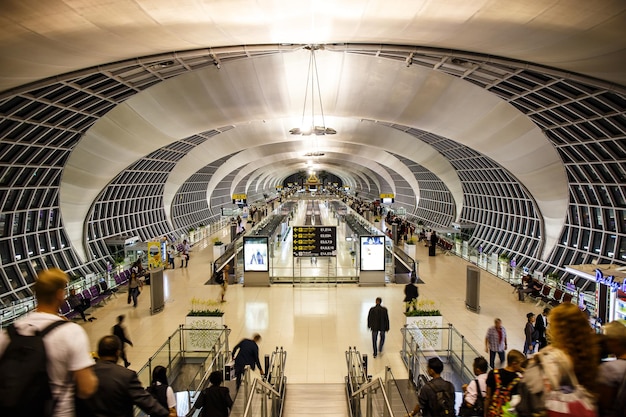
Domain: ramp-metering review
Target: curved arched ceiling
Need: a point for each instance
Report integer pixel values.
(271, 89)
(41, 39)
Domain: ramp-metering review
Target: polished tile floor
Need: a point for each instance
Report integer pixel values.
(314, 324)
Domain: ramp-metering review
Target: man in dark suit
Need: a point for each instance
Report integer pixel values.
(378, 322)
(541, 325)
(410, 294)
(246, 353)
(119, 331)
(118, 389)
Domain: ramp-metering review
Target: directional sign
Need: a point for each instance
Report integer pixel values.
(314, 241)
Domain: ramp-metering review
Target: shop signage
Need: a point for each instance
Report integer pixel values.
(610, 281)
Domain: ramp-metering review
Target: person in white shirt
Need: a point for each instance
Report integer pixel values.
(70, 365)
(474, 393)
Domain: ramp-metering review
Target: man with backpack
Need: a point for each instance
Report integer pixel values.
(45, 359)
(436, 398)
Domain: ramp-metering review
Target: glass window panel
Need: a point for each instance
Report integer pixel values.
(5, 252)
(31, 245)
(43, 244)
(13, 277)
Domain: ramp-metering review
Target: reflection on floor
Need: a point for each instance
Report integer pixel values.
(314, 324)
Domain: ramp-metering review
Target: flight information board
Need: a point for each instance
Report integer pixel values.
(314, 241)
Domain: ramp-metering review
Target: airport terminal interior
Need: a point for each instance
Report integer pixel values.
(501, 126)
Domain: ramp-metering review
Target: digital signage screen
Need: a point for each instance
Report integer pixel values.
(255, 250)
(372, 253)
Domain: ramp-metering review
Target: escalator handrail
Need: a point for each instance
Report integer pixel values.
(377, 381)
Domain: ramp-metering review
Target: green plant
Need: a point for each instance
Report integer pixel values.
(191, 229)
(504, 257)
(422, 308)
(411, 241)
(204, 308)
(217, 241)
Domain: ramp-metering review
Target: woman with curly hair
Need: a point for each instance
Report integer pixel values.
(572, 358)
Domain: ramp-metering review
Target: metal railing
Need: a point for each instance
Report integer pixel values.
(174, 353)
(265, 396)
(421, 343)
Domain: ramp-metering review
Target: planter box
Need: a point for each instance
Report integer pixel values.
(410, 250)
(218, 251)
(202, 340)
(425, 337)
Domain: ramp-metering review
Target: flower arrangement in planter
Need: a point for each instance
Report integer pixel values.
(204, 308)
(217, 242)
(422, 308)
(410, 241)
(504, 258)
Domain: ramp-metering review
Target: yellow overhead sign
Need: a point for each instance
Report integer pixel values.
(239, 196)
(386, 196)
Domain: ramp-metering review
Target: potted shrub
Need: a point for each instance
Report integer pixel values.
(410, 248)
(209, 319)
(422, 315)
(218, 248)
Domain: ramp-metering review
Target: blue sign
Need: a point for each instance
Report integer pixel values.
(610, 281)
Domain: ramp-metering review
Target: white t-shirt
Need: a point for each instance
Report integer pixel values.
(67, 348)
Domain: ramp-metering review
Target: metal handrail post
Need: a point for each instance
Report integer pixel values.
(449, 340)
(369, 410)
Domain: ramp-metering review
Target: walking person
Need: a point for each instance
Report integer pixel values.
(411, 293)
(119, 389)
(475, 392)
(530, 334)
(66, 347)
(502, 383)
(570, 364)
(184, 254)
(378, 323)
(496, 343)
(120, 332)
(223, 281)
(171, 254)
(161, 390)
(134, 288)
(215, 401)
(79, 304)
(436, 398)
(247, 353)
(541, 325)
(432, 249)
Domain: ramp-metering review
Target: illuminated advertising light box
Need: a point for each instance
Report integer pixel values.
(255, 250)
(372, 253)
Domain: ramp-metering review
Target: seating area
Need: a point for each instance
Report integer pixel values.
(97, 294)
(547, 295)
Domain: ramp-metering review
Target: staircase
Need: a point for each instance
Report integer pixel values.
(315, 400)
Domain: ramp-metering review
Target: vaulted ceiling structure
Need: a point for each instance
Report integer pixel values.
(457, 107)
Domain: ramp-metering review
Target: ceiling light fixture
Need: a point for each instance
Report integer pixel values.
(310, 127)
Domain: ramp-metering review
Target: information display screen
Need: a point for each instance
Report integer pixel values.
(255, 250)
(314, 241)
(372, 253)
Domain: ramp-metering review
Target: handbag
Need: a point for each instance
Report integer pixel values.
(478, 409)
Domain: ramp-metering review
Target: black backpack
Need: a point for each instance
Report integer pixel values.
(445, 400)
(24, 382)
